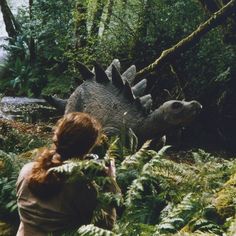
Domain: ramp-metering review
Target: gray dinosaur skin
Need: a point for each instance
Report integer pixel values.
(114, 110)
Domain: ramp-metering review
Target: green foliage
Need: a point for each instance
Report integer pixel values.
(172, 196)
(137, 31)
(162, 197)
(20, 75)
(51, 27)
(91, 230)
(188, 214)
(12, 140)
(58, 84)
(121, 145)
(92, 171)
(86, 169)
(9, 168)
(39, 48)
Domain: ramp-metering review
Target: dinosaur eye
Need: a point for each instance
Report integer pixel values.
(177, 105)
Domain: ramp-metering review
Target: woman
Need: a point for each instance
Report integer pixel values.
(46, 202)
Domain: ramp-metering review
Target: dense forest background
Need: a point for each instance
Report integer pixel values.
(186, 50)
(48, 38)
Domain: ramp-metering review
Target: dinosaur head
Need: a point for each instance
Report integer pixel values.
(169, 115)
(176, 112)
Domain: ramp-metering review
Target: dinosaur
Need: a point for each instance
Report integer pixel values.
(109, 97)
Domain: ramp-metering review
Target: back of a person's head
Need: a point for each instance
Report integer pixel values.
(74, 136)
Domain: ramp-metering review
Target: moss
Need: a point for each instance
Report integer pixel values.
(225, 199)
(18, 137)
(6, 229)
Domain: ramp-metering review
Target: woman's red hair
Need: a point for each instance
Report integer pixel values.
(74, 136)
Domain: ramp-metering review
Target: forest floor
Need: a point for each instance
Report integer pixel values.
(41, 129)
(24, 140)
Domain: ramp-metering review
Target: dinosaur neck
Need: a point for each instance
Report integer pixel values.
(154, 126)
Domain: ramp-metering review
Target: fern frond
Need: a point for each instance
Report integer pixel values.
(91, 230)
(138, 159)
(92, 172)
(113, 149)
(108, 198)
(75, 168)
(179, 215)
(9, 163)
(67, 167)
(147, 194)
(204, 225)
(197, 233)
(118, 148)
(9, 170)
(135, 229)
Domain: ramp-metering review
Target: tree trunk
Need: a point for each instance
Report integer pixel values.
(109, 14)
(190, 40)
(97, 18)
(81, 24)
(32, 48)
(145, 18)
(140, 45)
(12, 27)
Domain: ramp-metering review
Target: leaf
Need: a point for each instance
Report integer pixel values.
(91, 230)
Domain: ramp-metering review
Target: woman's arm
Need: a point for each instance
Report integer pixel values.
(109, 218)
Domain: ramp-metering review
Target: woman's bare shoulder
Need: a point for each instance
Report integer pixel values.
(26, 170)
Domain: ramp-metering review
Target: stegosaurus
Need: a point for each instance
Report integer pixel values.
(108, 96)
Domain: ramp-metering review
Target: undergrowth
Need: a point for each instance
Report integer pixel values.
(160, 196)
(15, 140)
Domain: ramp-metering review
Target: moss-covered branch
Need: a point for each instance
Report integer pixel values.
(216, 19)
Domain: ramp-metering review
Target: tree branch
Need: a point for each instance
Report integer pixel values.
(190, 40)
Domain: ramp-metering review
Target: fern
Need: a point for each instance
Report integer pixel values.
(205, 225)
(87, 169)
(135, 229)
(197, 233)
(138, 159)
(159, 173)
(172, 195)
(9, 170)
(91, 230)
(113, 150)
(132, 165)
(9, 163)
(145, 196)
(122, 145)
(179, 215)
(133, 141)
(162, 197)
(92, 171)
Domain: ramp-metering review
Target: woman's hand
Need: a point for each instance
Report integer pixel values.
(111, 169)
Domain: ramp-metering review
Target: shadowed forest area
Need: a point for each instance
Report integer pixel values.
(186, 50)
